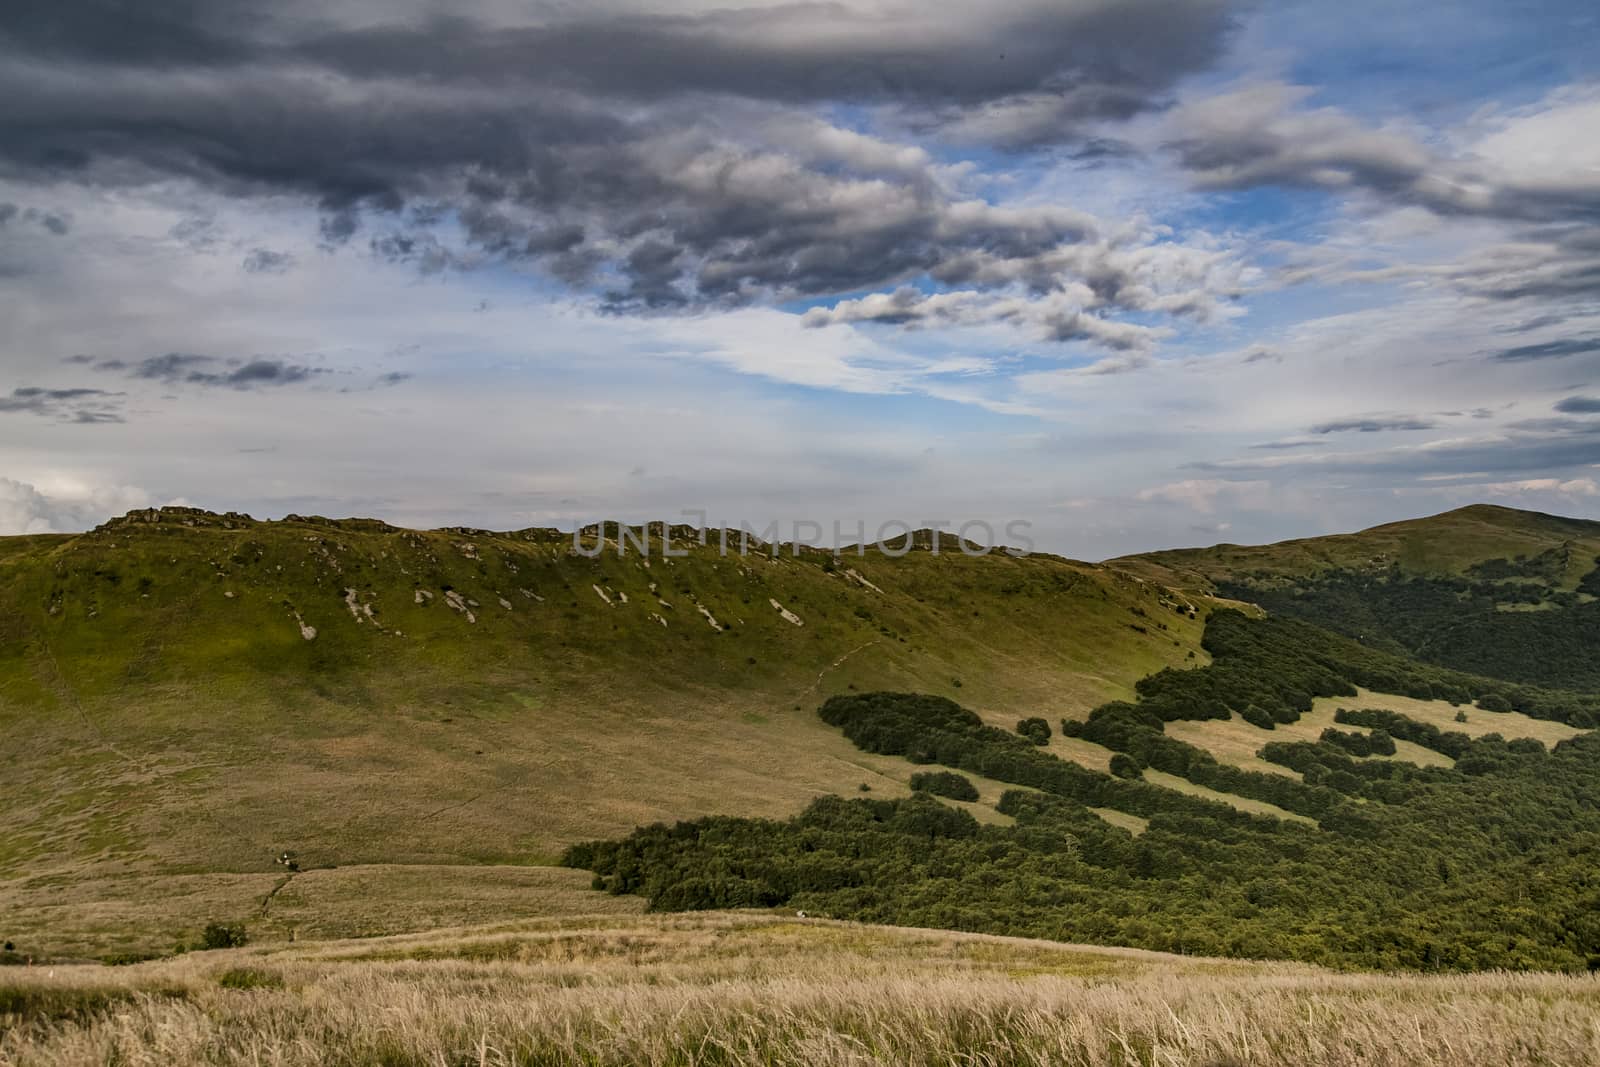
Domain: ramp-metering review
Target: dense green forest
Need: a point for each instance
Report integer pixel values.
(1507, 619)
(1493, 862)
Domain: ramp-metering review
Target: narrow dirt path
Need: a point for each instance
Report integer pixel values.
(835, 665)
(266, 902)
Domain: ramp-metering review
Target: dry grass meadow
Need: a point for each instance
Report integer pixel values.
(753, 988)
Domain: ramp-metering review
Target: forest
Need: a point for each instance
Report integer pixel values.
(1505, 618)
(1491, 863)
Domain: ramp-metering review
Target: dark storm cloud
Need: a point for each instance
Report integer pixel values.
(1576, 346)
(182, 368)
(68, 405)
(661, 158)
(1261, 136)
(266, 261)
(1580, 405)
(1542, 264)
(265, 372)
(1286, 444)
(382, 381)
(30, 396)
(48, 220)
(1542, 446)
(1373, 424)
(168, 368)
(804, 51)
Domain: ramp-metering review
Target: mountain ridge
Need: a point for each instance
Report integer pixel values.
(187, 693)
(1446, 542)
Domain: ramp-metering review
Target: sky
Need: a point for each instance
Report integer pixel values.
(1137, 273)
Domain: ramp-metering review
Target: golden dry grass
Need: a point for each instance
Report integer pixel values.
(1075, 749)
(738, 989)
(1509, 724)
(1255, 807)
(1134, 824)
(1237, 742)
(143, 913)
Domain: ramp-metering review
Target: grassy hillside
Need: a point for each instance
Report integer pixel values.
(1490, 590)
(1447, 544)
(746, 989)
(326, 728)
(183, 692)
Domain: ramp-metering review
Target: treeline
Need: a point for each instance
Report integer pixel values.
(1452, 743)
(1489, 863)
(1135, 732)
(1377, 743)
(1468, 872)
(1286, 641)
(932, 729)
(1456, 622)
(1549, 566)
(1591, 581)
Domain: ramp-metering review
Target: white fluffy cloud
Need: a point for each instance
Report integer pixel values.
(65, 505)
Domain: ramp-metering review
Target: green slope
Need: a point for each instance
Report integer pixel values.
(1504, 593)
(163, 708)
(185, 696)
(1446, 544)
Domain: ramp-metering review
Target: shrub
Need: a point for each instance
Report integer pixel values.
(1255, 715)
(1353, 743)
(124, 959)
(1125, 766)
(249, 978)
(223, 935)
(1035, 729)
(944, 784)
(1494, 702)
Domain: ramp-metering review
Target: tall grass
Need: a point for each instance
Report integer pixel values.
(749, 990)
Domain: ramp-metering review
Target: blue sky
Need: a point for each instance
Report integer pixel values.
(1144, 274)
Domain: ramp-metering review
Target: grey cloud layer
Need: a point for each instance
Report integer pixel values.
(1374, 424)
(48, 220)
(78, 405)
(1266, 135)
(863, 51)
(1259, 136)
(1574, 346)
(1535, 448)
(661, 161)
(181, 368)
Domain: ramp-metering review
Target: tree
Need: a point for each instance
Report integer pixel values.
(1125, 766)
(1035, 729)
(944, 784)
(1255, 715)
(223, 935)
